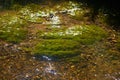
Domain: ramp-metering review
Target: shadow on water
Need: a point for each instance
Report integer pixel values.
(44, 58)
(55, 58)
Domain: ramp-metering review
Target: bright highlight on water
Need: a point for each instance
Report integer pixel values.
(50, 67)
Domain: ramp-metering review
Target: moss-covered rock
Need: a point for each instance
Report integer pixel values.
(85, 34)
(57, 47)
(68, 42)
(12, 29)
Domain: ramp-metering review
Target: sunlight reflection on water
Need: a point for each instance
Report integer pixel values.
(50, 68)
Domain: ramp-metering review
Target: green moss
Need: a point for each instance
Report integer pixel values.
(79, 14)
(57, 47)
(85, 34)
(12, 29)
(67, 42)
